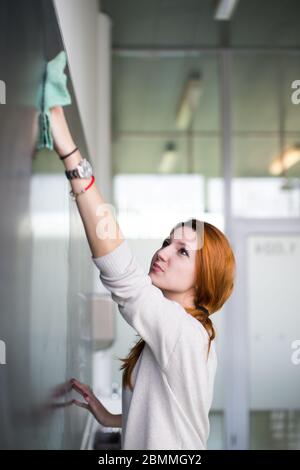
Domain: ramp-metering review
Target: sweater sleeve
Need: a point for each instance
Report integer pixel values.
(155, 318)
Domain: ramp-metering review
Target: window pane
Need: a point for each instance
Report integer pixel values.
(265, 150)
(291, 72)
(274, 325)
(255, 91)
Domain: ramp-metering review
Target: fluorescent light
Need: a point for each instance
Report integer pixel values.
(169, 158)
(225, 9)
(188, 101)
(286, 160)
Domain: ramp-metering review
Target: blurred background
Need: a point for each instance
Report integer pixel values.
(186, 108)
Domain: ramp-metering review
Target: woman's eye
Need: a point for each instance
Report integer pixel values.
(181, 249)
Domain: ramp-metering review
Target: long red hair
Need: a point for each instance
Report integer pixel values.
(215, 273)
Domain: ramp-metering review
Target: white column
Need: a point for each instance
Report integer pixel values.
(102, 164)
(103, 107)
(78, 25)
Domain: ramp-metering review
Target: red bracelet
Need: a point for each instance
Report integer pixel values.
(75, 195)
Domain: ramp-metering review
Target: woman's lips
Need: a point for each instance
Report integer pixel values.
(156, 267)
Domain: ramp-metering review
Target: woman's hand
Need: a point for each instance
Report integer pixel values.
(91, 402)
(62, 138)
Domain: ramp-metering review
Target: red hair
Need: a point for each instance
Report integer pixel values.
(215, 273)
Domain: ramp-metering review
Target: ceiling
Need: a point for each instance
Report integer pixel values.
(154, 23)
(147, 86)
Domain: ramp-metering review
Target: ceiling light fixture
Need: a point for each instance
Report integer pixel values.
(288, 158)
(168, 159)
(225, 9)
(189, 101)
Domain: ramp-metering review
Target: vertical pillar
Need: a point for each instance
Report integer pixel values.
(102, 164)
(103, 107)
(235, 327)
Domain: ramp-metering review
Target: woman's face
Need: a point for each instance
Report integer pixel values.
(176, 258)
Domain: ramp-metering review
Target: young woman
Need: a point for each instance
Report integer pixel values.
(169, 374)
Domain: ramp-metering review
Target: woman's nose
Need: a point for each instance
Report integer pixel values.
(163, 254)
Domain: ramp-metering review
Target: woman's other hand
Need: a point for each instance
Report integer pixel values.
(91, 402)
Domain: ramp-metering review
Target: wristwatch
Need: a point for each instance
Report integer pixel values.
(83, 170)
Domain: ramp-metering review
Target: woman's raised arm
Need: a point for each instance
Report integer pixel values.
(101, 228)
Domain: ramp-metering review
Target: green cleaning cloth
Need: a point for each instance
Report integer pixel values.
(52, 92)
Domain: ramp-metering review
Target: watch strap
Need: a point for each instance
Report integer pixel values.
(70, 174)
(83, 168)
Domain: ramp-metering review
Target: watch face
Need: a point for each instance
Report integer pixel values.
(85, 169)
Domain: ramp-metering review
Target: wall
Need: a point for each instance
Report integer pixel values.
(45, 270)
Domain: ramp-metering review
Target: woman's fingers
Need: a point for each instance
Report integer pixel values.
(92, 403)
(79, 384)
(83, 389)
(79, 403)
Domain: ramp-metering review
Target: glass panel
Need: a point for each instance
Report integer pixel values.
(291, 72)
(255, 91)
(206, 158)
(145, 118)
(173, 198)
(274, 325)
(144, 155)
(275, 430)
(292, 141)
(265, 197)
(150, 195)
(147, 92)
(265, 157)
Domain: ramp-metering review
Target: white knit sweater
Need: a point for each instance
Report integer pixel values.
(173, 380)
